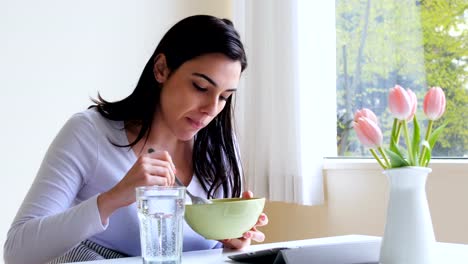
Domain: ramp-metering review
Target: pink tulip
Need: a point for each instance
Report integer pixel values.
(368, 132)
(434, 103)
(414, 104)
(400, 103)
(364, 112)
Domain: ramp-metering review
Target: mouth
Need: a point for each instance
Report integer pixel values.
(195, 124)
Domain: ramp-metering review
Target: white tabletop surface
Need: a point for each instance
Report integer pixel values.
(446, 252)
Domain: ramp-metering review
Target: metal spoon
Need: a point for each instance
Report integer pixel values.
(195, 199)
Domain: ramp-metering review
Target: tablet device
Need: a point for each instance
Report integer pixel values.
(264, 256)
(358, 252)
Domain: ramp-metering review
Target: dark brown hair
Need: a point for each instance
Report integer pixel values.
(215, 153)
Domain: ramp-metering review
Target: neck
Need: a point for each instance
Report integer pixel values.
(161, 138)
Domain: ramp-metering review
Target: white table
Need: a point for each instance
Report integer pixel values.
(447, 253)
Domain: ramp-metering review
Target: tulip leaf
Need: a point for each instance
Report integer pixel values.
(399, 152)
(435, 135)
(393, 135)
(396, 159)
(427, 154)
(416, 139)
(426, 144)
(432, 140)
(393, 145)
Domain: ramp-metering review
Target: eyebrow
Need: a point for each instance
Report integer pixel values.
(201, 75)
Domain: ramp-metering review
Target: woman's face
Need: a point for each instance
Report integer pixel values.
(194, 94)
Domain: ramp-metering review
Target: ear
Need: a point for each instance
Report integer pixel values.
(160, 69)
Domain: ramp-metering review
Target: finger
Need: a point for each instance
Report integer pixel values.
(163, 155)
(158, 162)
(169, 158)
(257, 236)
(156, 180)
(149, 171)
(236, 243)
(155, 163)
(262, 220)
(160, 171)
(247, 195)
(173, 168)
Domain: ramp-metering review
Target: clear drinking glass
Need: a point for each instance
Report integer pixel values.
(161, 215)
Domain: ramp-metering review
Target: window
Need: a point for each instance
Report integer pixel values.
(416, 44)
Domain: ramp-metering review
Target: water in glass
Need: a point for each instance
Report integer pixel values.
(161, 215)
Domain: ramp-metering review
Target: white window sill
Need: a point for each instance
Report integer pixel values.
(452, 165)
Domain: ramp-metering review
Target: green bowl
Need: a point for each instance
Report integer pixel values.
(224, 218)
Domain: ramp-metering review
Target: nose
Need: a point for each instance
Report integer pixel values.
(210, 106)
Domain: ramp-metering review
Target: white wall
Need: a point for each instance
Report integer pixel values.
(54, 55)
(356, 193)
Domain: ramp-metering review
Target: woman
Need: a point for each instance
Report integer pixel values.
(83, 197)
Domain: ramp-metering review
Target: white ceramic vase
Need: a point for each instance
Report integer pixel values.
(409, 236)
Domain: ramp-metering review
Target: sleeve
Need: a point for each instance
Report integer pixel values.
(218, 245)
(48, 224)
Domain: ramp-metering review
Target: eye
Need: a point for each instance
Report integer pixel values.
(198, 87)
(225, 96)
(203, 89)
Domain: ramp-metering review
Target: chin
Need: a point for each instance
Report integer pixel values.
(186, 136)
